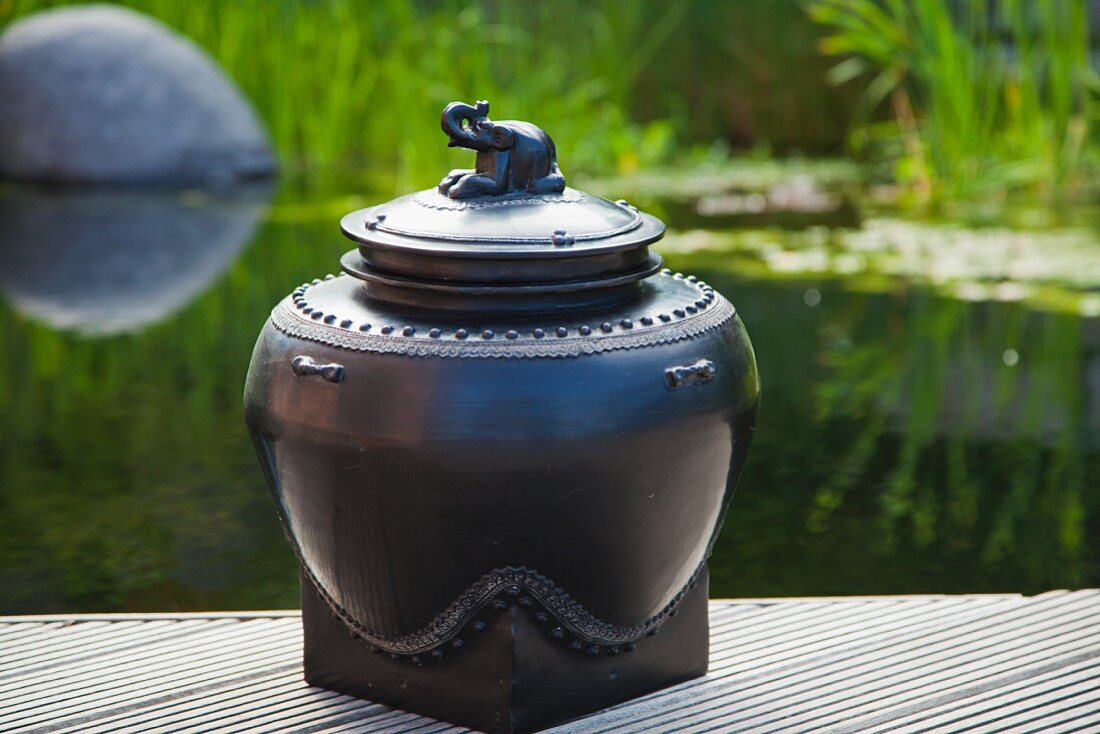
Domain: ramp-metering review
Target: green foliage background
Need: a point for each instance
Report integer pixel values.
(897, 451)
(621, 83)
(985, 97)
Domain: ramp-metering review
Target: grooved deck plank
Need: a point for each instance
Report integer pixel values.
(904, 664)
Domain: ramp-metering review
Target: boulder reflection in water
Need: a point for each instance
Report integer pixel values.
(109, 261)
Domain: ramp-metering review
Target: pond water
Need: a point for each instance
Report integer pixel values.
(909, 440)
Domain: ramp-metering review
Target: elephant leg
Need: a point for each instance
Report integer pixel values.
(551, 183)
(451, 178)
(475, 184)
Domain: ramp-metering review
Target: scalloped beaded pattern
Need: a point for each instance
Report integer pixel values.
(500, 589)
(296, 317)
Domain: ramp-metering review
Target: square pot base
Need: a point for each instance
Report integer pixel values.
(510, 678)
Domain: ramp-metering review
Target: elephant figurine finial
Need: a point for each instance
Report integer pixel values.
(511, 155)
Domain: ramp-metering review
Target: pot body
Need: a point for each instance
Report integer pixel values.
(580, 457)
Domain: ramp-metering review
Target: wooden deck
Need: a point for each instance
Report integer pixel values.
(877, 664)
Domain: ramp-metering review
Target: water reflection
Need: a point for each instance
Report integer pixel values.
(915, 443)
(908, 442)
(112, 261)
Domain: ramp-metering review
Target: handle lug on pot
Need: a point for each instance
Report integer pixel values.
(702, 371)
(304, 366)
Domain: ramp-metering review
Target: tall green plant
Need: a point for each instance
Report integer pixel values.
(983, 96)
(347, 82)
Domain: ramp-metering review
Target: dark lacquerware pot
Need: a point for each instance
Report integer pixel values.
(502, 443)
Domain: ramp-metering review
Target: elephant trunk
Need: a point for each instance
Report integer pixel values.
(458, 112)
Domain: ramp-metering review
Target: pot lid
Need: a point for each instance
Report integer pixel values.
(510, 222)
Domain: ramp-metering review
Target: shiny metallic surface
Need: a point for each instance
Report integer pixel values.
(516, 240)
(511, 155)
(494, 404)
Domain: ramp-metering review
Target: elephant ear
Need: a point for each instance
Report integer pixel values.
(503, 137)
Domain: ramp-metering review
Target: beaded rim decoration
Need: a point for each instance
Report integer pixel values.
(295, 317)
(489, 592)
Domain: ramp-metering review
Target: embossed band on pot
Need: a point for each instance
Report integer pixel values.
(291, 321)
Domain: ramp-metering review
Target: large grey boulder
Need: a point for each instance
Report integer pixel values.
(104, 94)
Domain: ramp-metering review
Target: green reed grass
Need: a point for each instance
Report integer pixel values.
(984, 96)
(621, 84)
(343, 81)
